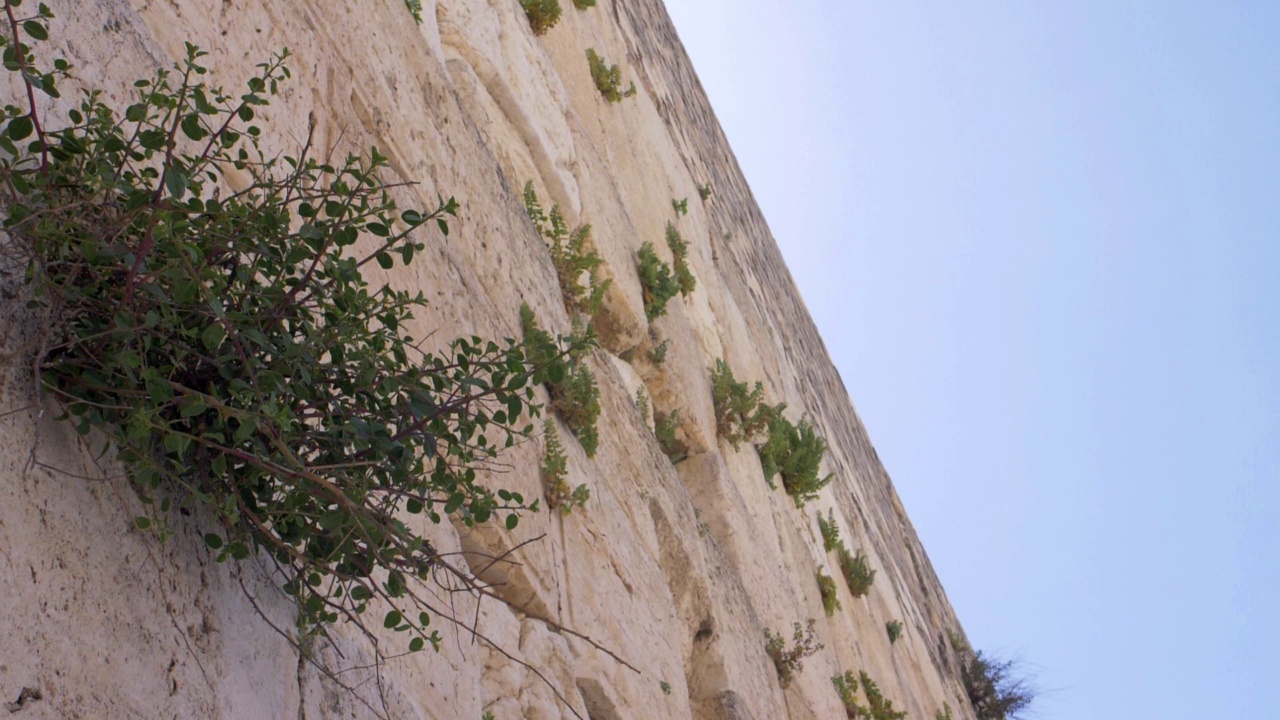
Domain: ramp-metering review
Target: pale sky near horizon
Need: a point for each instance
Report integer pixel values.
(1038, 243)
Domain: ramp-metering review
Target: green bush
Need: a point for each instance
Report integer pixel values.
(680, 260)
(657, 284)
(794, 452)
(229, 348)
(542, 14)
(658, 353)
(704, 192)
(789, 662)
(584, 4)
(555, 471)
(830, 531)
(894, 629)
(570, 383)
(830, 598)
(858, 574)
(570, 257)
(415, 8)
(741, 416)
(995, 686)
(877, 707)
(680, 206)
(944, 713)
(608, 78)
(664, 428)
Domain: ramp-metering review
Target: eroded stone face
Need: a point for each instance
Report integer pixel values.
(676, 570)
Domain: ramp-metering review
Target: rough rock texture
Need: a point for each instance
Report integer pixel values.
(678, 570)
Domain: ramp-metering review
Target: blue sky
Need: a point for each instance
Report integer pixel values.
(1042, 243)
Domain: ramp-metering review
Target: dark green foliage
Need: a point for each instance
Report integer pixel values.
(415, 7)
(704, 192)
(995, 686)
(830, 598)
(231, 352)
(680, 206)
(680, 260)
(741, 416)
(542, 14)
(664, 428)
(794, 452)
(658, 353)
(830, 531)
(571, 384)
(555, 470)
(858, 574)
(664, 685)
(642, 404)
(608, 78)
(570, 256)
(894, 629)
(944, 713)
(877, 708)
(584, 4)
(789, 662)
(656, 282)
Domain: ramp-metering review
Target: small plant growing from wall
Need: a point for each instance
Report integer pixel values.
(570, 383)
(665, 686)
(944, 713)
(664, 428)
(830, 598)
(415, 9)
(680, 206)
(704, 192)
(877, 708)
(584, 4)
(830, 531)
(789, 662)
(642, 404)
(858, 574)
(680, 261)
(608, 78)
(795, 452)
(994, 685)
(555, 471)
(658, 353)
(741, 415)
(542, 14)
(657, 284)
(894, 630)
(570, 256)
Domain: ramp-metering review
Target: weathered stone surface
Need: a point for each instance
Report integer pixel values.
(676, 570)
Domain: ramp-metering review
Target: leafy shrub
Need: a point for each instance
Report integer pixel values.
(664, 428)
(542, 14)
(830, 598)
(944, 713)
(830, 531)
(877, 707)
(995, 686)
(789, 662)
(894, 629)
(608, 78)
(584, 4)
(230, 350)
(704, 192)
(415, 8)
(741, 416)
(570, 383)
(680, 260)
(858, 574)
(680, 206)
(657, 284)
(642, 404)
(570, 257)
(658, 353)
(794, 452)
(555, 470)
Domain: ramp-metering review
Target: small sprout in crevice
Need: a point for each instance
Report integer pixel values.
(877, 708)
(584, 4)
(608, 78)
(944, 713)
(858, 574)
(657, 284)
(680, 206)
(488, 715)
(542, 14)
(830, 531)
(642, 404)
(666, 687)
(658, 353)
(415, 8)
(789, 662)
(555, 470)
(680, 260)
(830, 598)
(704, 192)
(894, 629)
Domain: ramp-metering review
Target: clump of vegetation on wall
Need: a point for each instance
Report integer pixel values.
(680, 261)
(877, 708)
(741, 415)
(795, 452)
(575, 397)
(415, 8)
(642, 404)
(555, 473)
(229, 349)
(570, 256)
(704, 192)
(658, 353)
(584, 4)
(858, 574)
(608, 78)
(657, 284)
(542, 14)
(995, 686)
(665, 426)
(680, 206)
(894, 630)
(830, 531)
(830, 598)
(789, 662)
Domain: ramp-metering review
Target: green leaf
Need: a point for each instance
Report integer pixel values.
(213, 540)
(142, 522)
(455, 502)
(175, 182)
(392, 619)
(512, 521)
(416, 644)
(35, 30)
(213, 335)
(385, 261)
(191, 127)
(21, 127)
